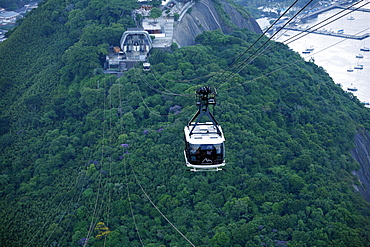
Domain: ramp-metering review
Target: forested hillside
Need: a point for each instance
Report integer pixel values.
(89, 159)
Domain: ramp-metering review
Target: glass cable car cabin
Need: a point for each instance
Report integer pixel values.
(204, 148)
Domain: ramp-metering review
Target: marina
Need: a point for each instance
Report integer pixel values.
(342, 54)
(339, 34)
(339, 5)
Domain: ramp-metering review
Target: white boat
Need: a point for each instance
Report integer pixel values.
(359, 56)
(359, 66)
(350, 18)
(350, 69)
(353, 89)
(310, 49)
(365, 49)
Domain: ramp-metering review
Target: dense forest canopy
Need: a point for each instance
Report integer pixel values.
(82, 151)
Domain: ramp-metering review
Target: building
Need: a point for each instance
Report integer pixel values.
(134, 47)
(154, 28)
(8, 16)
(136, 44)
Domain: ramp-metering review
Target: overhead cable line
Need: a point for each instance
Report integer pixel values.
(96, 211)
(55, 210)
(197, 78)
(106, 186)
(152, 112)
(358, 33)
(77, 202)
(82, 178)
(306, 33)
(288, 65)
(130, 202)
(309, 29)
(110, 167)
(159, 211)
(159, 91)
(47, 220)
(126, 177)
(160, 84)
(55, 227)
(146, 106)
(146, 195)
(239, 57)
(262, 35)
(243, 65)
(245, 60)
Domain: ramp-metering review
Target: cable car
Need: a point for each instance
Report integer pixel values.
(204, 141)
(146, 66)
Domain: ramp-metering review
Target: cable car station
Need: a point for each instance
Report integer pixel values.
(134, 47)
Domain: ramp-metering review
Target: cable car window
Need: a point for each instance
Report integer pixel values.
(206, 154)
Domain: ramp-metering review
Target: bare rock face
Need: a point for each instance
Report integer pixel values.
(203, 16)
(361, 153)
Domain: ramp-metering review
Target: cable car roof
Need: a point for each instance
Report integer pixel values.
(204, 133)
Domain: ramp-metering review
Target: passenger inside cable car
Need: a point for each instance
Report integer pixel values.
(205, 154)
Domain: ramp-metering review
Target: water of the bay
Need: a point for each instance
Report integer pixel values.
(336, 55)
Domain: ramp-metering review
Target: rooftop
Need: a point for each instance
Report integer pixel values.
(8, 15)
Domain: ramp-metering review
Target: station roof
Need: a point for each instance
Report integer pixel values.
(8, 15)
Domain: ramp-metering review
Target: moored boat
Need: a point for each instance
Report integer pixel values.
(353, 89)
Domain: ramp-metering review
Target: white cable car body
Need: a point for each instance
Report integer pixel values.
(204, 147)
(146, 66)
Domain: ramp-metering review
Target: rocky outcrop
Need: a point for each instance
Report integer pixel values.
(239, 21)
(203, 16)
(361, 153)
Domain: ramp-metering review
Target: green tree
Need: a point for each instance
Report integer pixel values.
(155, 13)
